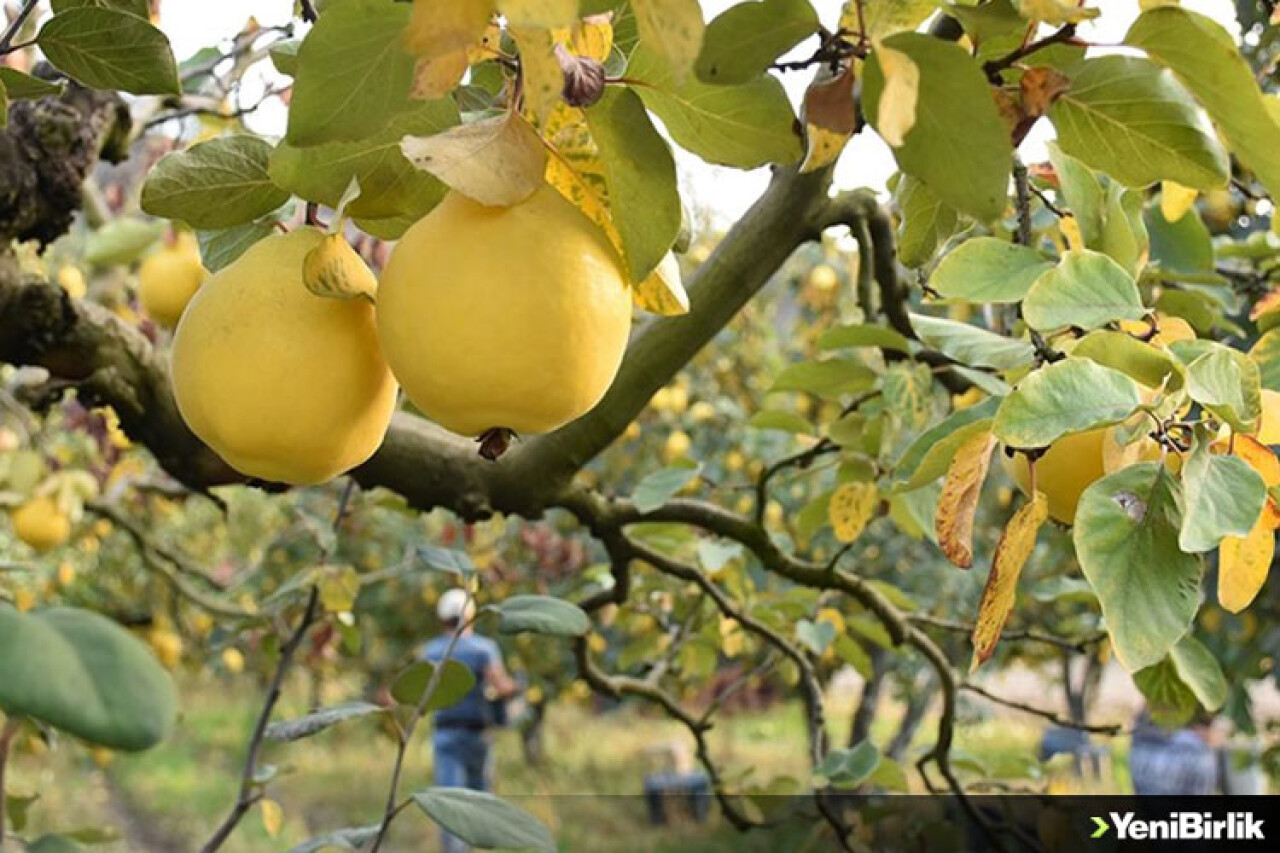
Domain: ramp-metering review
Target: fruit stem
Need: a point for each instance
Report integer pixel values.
(494, 442)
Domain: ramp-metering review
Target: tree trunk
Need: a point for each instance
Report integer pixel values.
(864, 715)
(917, 706)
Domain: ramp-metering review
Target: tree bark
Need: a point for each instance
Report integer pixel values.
(869, 703)
(918, 703)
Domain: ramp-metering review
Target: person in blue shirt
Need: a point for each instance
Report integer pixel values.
(460, 741)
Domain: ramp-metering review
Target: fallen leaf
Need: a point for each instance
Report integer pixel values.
(497, 161)
(1014, 548)
(959, 499)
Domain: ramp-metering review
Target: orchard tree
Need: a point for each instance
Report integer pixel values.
(418, 323)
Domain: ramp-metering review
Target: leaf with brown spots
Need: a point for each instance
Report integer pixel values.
(1016, 544)
(830, 118)
(959, 499)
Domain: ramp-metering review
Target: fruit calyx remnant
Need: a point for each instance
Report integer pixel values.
(494, 442)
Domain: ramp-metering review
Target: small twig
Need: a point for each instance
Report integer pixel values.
(1044, 199)
(1043, 713)
(1071, 644)
(250, 791)
(6, 41)
(993, 67)
(393, 806)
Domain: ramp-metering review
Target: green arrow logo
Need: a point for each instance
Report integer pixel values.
(1102, 828)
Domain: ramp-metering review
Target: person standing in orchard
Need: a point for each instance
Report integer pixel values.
(460, 742)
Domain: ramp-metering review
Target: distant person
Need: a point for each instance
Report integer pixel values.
(1169, 762)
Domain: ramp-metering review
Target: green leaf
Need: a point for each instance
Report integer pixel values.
(640, 173)
(1149, 365)
(987, 20)
(19, 85)
(971, 345)
(54, 844)
(1130, 118)
(927, 221)
(660, 486)
(927, 458)
(390, 186)
(987, 269)
(815, 636)
(1266, 355)
(219, 248)
(318, 721)
(1224, 498)
(1072, 395)
(220, 183)
(1183, 246)
(1081, 189)
(1086, 289)
(456, 681)
(851, 652)
(889, 775)
(1126, 538)
(1124, 233)
(959, 145)
(483, 820)
(744, 40)
(1169, 700)
(863, 335)
(353, 73)
(141, 8)
(1200, 670)
(744, 126)
(284, 56)
(848, 768)
(781, 421)
(1227, 383)
(828, 379)
(542, 614)
(349, 838)
(1205, 58)
(122, 241)
(84, 674)
(110, 49)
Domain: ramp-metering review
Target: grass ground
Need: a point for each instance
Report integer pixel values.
(170, 798)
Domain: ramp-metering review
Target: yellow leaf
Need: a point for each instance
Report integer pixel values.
(498, 161)
(832, 617)
(1056, 12)
(1269, 423)
(897, 112)
(438, 27)
(272, 817)
(574, 168)
(1175, 200)
(1016, 544)
(436, 76)
(333, 269)
(593, 38)
(673, 30)
(543, 79)
(959, 499)
(1260, 457)
(1243, 564)
(1070, 228)
(883, 17)
(339, 587)
(830, 119)
(662, 292)
(544, 14)
(851, 508)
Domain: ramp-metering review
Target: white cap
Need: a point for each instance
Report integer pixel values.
(455, 606)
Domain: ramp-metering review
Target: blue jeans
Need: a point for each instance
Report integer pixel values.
(461, 761)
